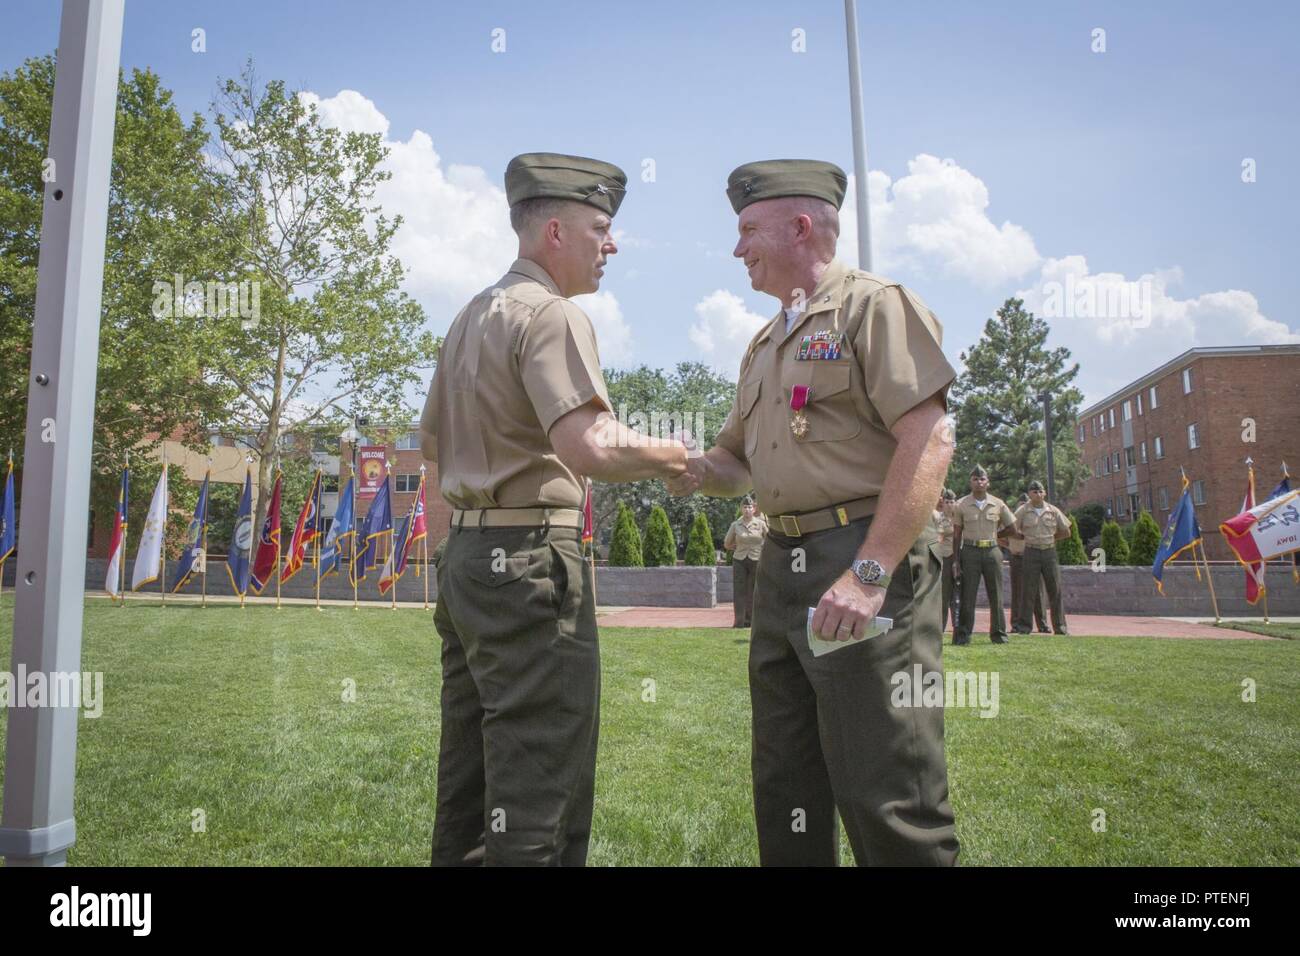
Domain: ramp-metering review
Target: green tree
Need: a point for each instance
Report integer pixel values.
(1112, 543)
(297, 212)
(652, 401)
(1090, 518)
(699, 547)
(1146, 541)
(150, 380)
(998, 413)
(1070, 550)
(625, 546)
(659, 549)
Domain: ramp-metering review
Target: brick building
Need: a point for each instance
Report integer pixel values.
(403, 450)
(1205, 411)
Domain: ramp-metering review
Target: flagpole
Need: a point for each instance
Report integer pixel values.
(356, 529)
(1209, 579)
(277, 532)
(163, 549)
(424, 542)
(316, 537)
(859, 137)
(121, 562)
(392, 542)
(204, 601)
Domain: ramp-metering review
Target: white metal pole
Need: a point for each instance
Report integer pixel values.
(859, 137)
(37, 825)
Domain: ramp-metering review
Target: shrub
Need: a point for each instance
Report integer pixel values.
(1146, 541)
(1070, 550)
(625, 545)
(658, 549)
(699, 545)
(1112, 542)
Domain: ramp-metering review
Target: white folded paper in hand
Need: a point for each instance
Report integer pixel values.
(820, 646)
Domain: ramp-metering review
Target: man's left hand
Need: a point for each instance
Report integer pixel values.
(847, 609)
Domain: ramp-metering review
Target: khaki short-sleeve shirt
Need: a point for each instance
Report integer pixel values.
(1040, 530)
(981, 521)
(516, 359)
(944, 524)
(746, 540)
(869, 350)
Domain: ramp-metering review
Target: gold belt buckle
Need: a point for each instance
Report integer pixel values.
(792, 520)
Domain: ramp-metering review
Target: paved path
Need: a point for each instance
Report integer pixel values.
(1093, 625)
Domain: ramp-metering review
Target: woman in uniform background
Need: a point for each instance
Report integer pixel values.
(745, 541)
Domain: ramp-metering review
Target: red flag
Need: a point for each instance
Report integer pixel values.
(413, 529)
(588, 523)
(304, 532)
(268, 542)
(1255, 570)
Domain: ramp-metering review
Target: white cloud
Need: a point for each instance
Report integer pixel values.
(934, 222)
(723, 330)
(1119, 328)
(613, 334)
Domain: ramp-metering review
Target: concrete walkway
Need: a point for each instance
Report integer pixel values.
(1092, 625)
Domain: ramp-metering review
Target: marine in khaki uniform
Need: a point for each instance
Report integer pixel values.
(943, 524)
(1043, 525)
(517, 414)
(977, 521)
(838, 426)
(745, 542)
(1016, 560)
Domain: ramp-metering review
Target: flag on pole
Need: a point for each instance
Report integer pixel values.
(241, 539)
(8, 531)
(117, 544)
(304, 532)
(194, 541)
(1255, 571)
(1181, 532)
(148, 557)
(377, 524)
(1266, 531)
(1283, 488)
(268, 541)
(412, 530)
(340, 530)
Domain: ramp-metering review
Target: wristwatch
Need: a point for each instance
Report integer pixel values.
(870, 572)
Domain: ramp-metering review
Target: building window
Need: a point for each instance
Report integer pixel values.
(1105, 465)
(408, 482)
(1128, 457)
(1154, 404)
(1112, 418)
(1164, 499)
(1119, 505)
(1160, 448)
(1110, 507)
(1193, 439)
(1082, 435)
(1128, 411)
(1134, 504)
(409, 441)
(1187, 381)
(1198, 492)
(1139, 398)
(1115, 462)
(1142, 452)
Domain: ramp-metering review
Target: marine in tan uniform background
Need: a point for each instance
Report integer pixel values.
(1043, 525)
(517, 414)
(838, 426)
(1016, 559)
(943, 523)
(977, 521)
(745, 541)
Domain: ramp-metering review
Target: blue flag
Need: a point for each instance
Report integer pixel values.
(8, 530)
(340, 531)
(193, 541)
(377, 523)
(1181, 533)
(241, 540)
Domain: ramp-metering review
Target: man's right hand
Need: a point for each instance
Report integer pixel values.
(697, 470)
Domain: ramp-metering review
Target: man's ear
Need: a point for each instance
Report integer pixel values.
(802, 227)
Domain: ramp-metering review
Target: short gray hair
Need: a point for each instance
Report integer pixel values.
(527, 214)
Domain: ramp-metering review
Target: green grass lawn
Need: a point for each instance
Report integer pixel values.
(241, 715)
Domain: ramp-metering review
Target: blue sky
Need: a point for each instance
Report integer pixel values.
(1006, 154)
